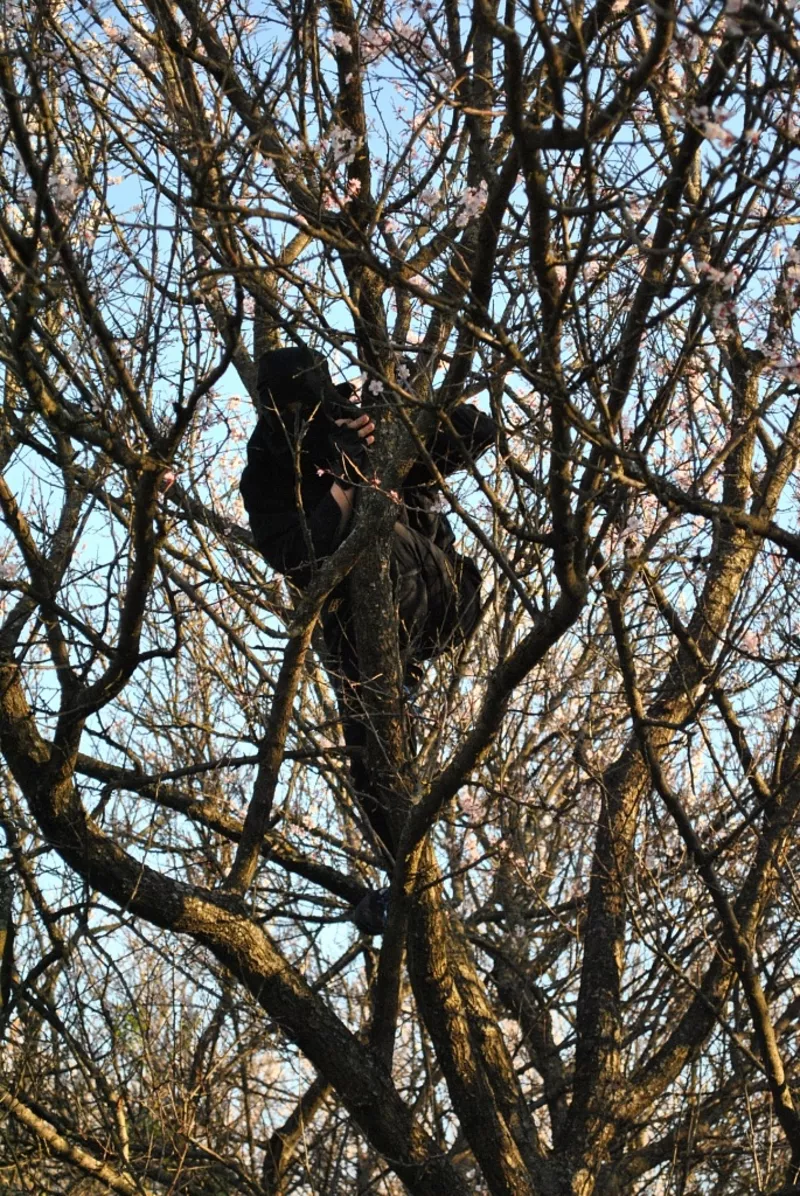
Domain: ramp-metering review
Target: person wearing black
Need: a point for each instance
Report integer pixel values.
(305, 461)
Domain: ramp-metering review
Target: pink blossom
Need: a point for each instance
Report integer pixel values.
(710, 123)
(331, 200)
(374, 43)
(726, 278)
(112, 32)
(723, 314)
(715, 132)
(706, 268)
(341, 41)
(789, 369)
(142, 48)
(404, 30)
(472, 203)
(65, 186)
(342, 143)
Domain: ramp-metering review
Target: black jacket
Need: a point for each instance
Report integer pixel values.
(294, 455)
(286, 488)
(287, 482)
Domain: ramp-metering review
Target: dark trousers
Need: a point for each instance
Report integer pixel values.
(437, 598)
(342, 667)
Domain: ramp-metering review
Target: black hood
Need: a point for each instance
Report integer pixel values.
(298, 375)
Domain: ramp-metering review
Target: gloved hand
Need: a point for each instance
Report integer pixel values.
(349, 438)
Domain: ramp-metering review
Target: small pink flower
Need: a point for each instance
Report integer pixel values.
(374, 43)
(472, 203)
(342, 42)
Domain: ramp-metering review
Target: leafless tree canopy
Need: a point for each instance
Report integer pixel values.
(582, 216)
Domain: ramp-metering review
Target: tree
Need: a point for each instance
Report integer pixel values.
(583, 218)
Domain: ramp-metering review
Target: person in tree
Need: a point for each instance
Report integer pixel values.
(306, 460)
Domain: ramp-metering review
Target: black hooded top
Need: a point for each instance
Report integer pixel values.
(292, 460)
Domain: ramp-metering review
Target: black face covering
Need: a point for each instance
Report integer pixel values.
(300, 407)
(299, 375)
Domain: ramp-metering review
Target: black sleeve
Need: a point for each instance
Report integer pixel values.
(472, 427)
(287, 538)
